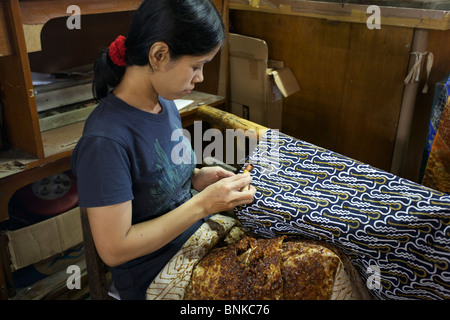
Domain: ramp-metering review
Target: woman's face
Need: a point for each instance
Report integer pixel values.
(176, 78)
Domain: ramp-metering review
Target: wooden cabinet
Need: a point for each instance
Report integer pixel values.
(24, 146)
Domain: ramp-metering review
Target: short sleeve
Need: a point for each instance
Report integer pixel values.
(102, 168)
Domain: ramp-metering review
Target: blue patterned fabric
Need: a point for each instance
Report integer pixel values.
(396, 232)
(441, 95)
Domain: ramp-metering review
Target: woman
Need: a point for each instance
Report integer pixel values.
(138, 201)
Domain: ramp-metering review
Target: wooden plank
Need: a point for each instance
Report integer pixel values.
(98, 284)
(5, 45)
(373, 93)
(6, 280)
(350, 12)
(67, 117)
(62, 139)
(410, 92)
(46, 288)
(41, 11)
(224, 120)
(188, 113)
(16, 88)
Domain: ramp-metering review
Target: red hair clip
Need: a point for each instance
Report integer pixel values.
(117, 51)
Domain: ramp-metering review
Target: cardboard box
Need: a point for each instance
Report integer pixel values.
(258, 84)
(44, 239)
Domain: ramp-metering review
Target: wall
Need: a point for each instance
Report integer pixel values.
(351, 81)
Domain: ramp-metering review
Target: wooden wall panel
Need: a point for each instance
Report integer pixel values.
(19, 106)
(351, 80)
(5, 45)
(377, 62)
(216, 73)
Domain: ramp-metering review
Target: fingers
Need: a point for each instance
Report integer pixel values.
(245, 189)
(239, 181)
(239, 186)
(248, 193)
(226, 193)
(222, 173)
(243, 197)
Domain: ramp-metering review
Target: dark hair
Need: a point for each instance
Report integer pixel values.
(188, 27)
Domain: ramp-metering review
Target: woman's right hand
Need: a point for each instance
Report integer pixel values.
(226, 194)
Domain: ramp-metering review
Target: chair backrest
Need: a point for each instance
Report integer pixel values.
(96, 268)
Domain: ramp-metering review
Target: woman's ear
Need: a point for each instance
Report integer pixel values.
(159, 53)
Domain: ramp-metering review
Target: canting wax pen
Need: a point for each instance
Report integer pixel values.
(249, 167)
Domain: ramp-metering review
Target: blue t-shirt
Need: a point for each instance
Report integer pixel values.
(127, 154)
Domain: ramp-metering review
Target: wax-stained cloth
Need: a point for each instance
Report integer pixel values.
(437, 170)
(172, 283)
(395, 232)
(441, 95)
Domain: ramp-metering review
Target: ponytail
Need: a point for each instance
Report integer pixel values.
(107, 75)
(190, 28)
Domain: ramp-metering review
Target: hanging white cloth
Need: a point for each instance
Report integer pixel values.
(414, 73)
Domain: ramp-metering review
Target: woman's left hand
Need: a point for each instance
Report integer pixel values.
(206, 176)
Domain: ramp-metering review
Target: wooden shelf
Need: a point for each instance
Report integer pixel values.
(39, 12)
(35, 14)
(64, 138)
(61, 141)
(350, 12)
(5, 42)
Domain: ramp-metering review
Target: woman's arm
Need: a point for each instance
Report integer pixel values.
(118, 241)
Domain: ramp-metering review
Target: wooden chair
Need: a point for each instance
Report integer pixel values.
(97, 270)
